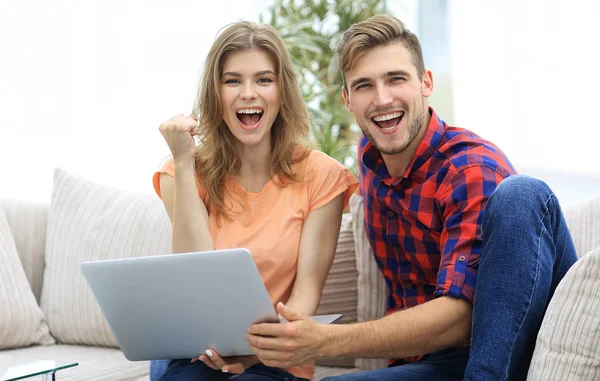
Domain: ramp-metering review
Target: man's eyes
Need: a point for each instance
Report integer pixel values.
(367, 85)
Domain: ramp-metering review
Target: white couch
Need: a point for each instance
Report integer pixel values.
(48, 312)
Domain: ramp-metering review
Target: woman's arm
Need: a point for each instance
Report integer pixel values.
(188, 214)
(318, 242)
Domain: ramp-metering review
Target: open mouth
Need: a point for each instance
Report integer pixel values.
(388, 121)
(249, 117)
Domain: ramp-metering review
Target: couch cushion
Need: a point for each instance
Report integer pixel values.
(21, 319)
(27, 221)
(88, 222)
(371, 286)
(583, 220)
(95, 363)
(569, 338)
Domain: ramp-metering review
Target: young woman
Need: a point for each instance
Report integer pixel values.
(252, 182)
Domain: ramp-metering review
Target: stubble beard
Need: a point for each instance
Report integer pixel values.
(413, 130)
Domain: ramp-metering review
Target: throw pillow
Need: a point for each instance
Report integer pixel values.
(88, 222)
(569, 338)
(583, 220)
(21, 319)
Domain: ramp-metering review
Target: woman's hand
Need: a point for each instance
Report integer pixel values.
(179, 134)
(233, 364)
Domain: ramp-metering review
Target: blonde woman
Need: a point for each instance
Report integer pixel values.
(252, 182)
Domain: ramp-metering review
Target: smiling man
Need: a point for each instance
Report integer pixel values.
(470, 252)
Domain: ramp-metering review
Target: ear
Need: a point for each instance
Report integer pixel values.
(347, 100)
(427, 84)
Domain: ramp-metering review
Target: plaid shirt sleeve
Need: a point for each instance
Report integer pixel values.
(462, 201)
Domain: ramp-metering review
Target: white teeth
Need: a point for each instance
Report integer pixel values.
(394, 115)
(249, 111)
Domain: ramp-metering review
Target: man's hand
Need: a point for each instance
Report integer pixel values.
(232, 364)
(286, 344)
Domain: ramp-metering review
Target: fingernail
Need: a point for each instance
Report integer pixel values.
(208, 352)
(193, 360)
(225, 370)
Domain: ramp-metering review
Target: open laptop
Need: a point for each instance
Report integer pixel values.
(177, 305)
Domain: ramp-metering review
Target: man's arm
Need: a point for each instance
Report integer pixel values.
(441, 323)
(438, 324)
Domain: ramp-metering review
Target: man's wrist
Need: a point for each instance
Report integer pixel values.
(329, 340)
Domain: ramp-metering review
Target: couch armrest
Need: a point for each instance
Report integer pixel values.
(27, 221)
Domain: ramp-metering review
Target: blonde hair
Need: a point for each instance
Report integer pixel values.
(379, 30)
(216, 155)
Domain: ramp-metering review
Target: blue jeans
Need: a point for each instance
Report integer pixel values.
(447, 364)
(183, 370)
(527, 249)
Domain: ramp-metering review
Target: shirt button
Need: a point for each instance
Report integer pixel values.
(409, 286)
(462, 258)
(391, 214)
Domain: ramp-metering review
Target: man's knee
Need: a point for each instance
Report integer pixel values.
(519, 191)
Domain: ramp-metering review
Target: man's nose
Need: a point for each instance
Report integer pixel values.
(382, 96)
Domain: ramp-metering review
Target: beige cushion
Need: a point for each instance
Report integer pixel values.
(568, 343)
(21, 319)
(583, 220)
(89, 222)
(27, 221)
(95, 363)
(371, 286)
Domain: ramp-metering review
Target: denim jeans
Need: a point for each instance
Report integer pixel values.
(184, 370)
(527, 249)
(444, 365)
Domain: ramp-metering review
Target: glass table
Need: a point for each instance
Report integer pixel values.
(18, 368)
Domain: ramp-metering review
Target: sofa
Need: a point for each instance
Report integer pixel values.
(48, 312)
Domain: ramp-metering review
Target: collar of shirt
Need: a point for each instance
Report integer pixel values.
(373, 161)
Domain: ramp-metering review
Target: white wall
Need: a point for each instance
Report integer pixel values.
(525, 76)
(84, 85)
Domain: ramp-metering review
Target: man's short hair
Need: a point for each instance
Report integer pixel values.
(379, 30)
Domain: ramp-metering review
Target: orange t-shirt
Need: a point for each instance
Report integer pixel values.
(269, 223)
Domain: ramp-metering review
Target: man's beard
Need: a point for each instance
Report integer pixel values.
(413, 130)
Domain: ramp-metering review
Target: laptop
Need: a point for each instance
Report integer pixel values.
(177, 305)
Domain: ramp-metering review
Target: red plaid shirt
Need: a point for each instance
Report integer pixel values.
(425, 227)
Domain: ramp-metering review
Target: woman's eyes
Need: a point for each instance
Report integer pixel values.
(237, 81)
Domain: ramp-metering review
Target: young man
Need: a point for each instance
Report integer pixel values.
(471, 254)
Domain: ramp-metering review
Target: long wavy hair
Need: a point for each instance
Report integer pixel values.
(216, 156)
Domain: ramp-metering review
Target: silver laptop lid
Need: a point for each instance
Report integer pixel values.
(177, 305)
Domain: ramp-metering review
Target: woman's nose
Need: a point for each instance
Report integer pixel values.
(248, 92)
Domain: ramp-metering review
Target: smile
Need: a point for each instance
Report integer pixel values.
(388, 122)
(249, 117)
